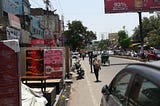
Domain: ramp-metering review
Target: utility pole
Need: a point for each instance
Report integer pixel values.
(23, 16)
(47, 16)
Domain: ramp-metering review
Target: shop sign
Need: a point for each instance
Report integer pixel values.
(46, 42)
(14, 21)
(13, 33)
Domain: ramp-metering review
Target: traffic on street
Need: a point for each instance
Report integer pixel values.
(87, 92)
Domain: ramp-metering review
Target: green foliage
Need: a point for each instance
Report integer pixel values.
(150, 31)
(104, 44)
(77, 36)
(123, 40)
(154, 38)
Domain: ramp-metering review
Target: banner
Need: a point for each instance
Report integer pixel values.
(53, 62)
(46, 42)
(14, 21)
(34, 62)
(119, 6)
(13, 33)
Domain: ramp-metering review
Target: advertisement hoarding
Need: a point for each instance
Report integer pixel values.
(34, 62)
(120, 6)
(53, 63)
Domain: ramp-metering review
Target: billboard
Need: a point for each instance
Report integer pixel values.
(34, 62)
(53, 63)
(119, 6)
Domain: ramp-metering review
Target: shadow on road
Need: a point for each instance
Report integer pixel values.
(118, 64)
(97, 81)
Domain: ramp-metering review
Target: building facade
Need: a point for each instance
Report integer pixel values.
(19, 21)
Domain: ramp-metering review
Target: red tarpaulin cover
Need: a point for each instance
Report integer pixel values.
(119, 6)
(9, 75)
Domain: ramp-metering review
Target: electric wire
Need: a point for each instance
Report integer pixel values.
(61, 9)
(57, 6)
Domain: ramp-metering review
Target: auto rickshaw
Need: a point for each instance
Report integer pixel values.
(105, 58)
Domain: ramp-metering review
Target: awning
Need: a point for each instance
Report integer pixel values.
(134, 44)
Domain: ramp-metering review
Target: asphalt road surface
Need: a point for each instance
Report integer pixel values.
(87, 92)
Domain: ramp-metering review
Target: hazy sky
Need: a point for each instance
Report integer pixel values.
(91, 14)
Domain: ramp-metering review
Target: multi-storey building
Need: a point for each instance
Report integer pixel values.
(49, 22)
(19, 21)
(15, 20)
(113, 38)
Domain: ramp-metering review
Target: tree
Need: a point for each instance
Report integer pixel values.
(104, 44)
(153, 38)
(123, 39)
(146, 27)
(77, 36)
(150, 31)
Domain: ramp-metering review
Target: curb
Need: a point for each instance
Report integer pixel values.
(128, 57)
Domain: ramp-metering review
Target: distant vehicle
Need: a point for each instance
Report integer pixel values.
(110, 52)
(117, 52)
(105, 58)
(75, 55)
(136, 85)
(134, 54)
(153, 55)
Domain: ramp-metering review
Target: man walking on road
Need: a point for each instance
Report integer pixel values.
(91, 60)
(97, 67)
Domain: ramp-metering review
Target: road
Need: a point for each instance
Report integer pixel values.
(87, 92)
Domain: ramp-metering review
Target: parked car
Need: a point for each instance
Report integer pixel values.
(133, 54)
(75, 55)
(153, 55)
(135, 85)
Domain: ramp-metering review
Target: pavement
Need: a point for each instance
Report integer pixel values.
(81, 92)
(77, 90)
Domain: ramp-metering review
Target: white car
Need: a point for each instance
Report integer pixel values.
(75, 55)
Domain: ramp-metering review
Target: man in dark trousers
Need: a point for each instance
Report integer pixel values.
(97, 67)
(90, 54)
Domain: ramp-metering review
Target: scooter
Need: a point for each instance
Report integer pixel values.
(80, 73)
(80, 70)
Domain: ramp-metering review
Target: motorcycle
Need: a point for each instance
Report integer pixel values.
(80, 70)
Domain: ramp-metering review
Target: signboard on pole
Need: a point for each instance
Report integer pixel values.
(120, 6)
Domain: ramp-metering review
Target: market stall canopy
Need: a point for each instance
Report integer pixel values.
(134, 44)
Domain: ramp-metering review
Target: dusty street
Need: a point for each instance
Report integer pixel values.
(87, 92)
